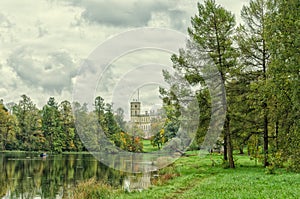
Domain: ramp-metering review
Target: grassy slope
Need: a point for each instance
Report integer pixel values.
(198, 179)
(147, 146)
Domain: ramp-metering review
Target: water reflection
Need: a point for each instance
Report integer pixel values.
(29, 176)
(137, 182)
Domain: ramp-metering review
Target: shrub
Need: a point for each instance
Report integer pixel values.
(91, 189)
(270, 169)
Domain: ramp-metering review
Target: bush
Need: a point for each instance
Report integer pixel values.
(270, 169)
(127, 142)
(91, 189)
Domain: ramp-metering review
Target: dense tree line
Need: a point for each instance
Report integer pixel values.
(52, 128)
(124, 136)
(258, 62)
(25, 127)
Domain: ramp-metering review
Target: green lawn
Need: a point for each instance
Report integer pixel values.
(147, 146)
(198, 179)
(195, 177)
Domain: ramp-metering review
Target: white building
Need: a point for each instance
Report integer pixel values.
(144, 120)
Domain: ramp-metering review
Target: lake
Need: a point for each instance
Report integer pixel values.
(26, 175)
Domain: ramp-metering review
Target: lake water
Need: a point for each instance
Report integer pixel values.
(26, 175)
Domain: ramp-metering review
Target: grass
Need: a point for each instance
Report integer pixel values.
(198, 179)
(147, 146)
(195, 177)
(92, 189)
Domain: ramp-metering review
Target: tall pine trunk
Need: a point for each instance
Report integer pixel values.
(225, 156)
(266, 139)
(229, 143)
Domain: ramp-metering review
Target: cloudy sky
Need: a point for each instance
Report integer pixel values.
(45, 43)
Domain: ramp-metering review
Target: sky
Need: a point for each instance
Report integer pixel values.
(45, 46)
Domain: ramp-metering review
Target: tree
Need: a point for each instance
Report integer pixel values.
(78, 109)
(106, 120)
(8, 128)
(211, 34)
(67, 124)
(171, 109)
(159, 139)
(204, 103)
(245, 123)
(284, 72)
(86, 127)
(255, 56)
(55, 138)
(119, 117)
(29, 122)
(110, 122)
(128, 142)
(99, 111)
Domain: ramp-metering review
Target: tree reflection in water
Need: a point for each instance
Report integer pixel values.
(26, 175)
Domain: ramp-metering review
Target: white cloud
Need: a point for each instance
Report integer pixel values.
(52, 71)
(132, 13)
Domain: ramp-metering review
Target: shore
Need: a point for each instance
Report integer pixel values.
(205, 177)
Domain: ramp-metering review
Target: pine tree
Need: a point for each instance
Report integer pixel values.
(255, 57)
(211, 35)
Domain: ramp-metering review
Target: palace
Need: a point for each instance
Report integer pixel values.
(142, 121)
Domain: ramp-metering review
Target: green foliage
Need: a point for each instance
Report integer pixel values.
(106, 118)
(159, 139)
(30, 129)
(270, 169)
(87, 125)
(210, 36)
(67, 125)
(8, 129)
(127, 142)
(119, 117)
(255, 57)
(113, 126)
(284, 34)
(165, 129)
(204, 102)
(29, 123)
(52, 127)
(212, 28)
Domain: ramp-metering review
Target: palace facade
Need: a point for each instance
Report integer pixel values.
(141, 120)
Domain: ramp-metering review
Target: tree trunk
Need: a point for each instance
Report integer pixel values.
(276, 134)
(225, 146)
(266, 139)
(229, 144)
(241, 148)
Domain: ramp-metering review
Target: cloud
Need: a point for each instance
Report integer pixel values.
(53, 72)
(5, 22)
(5, 28)
(9, 78)
(234, 6)
(130, 13)
(42, 31)
(121, 13)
